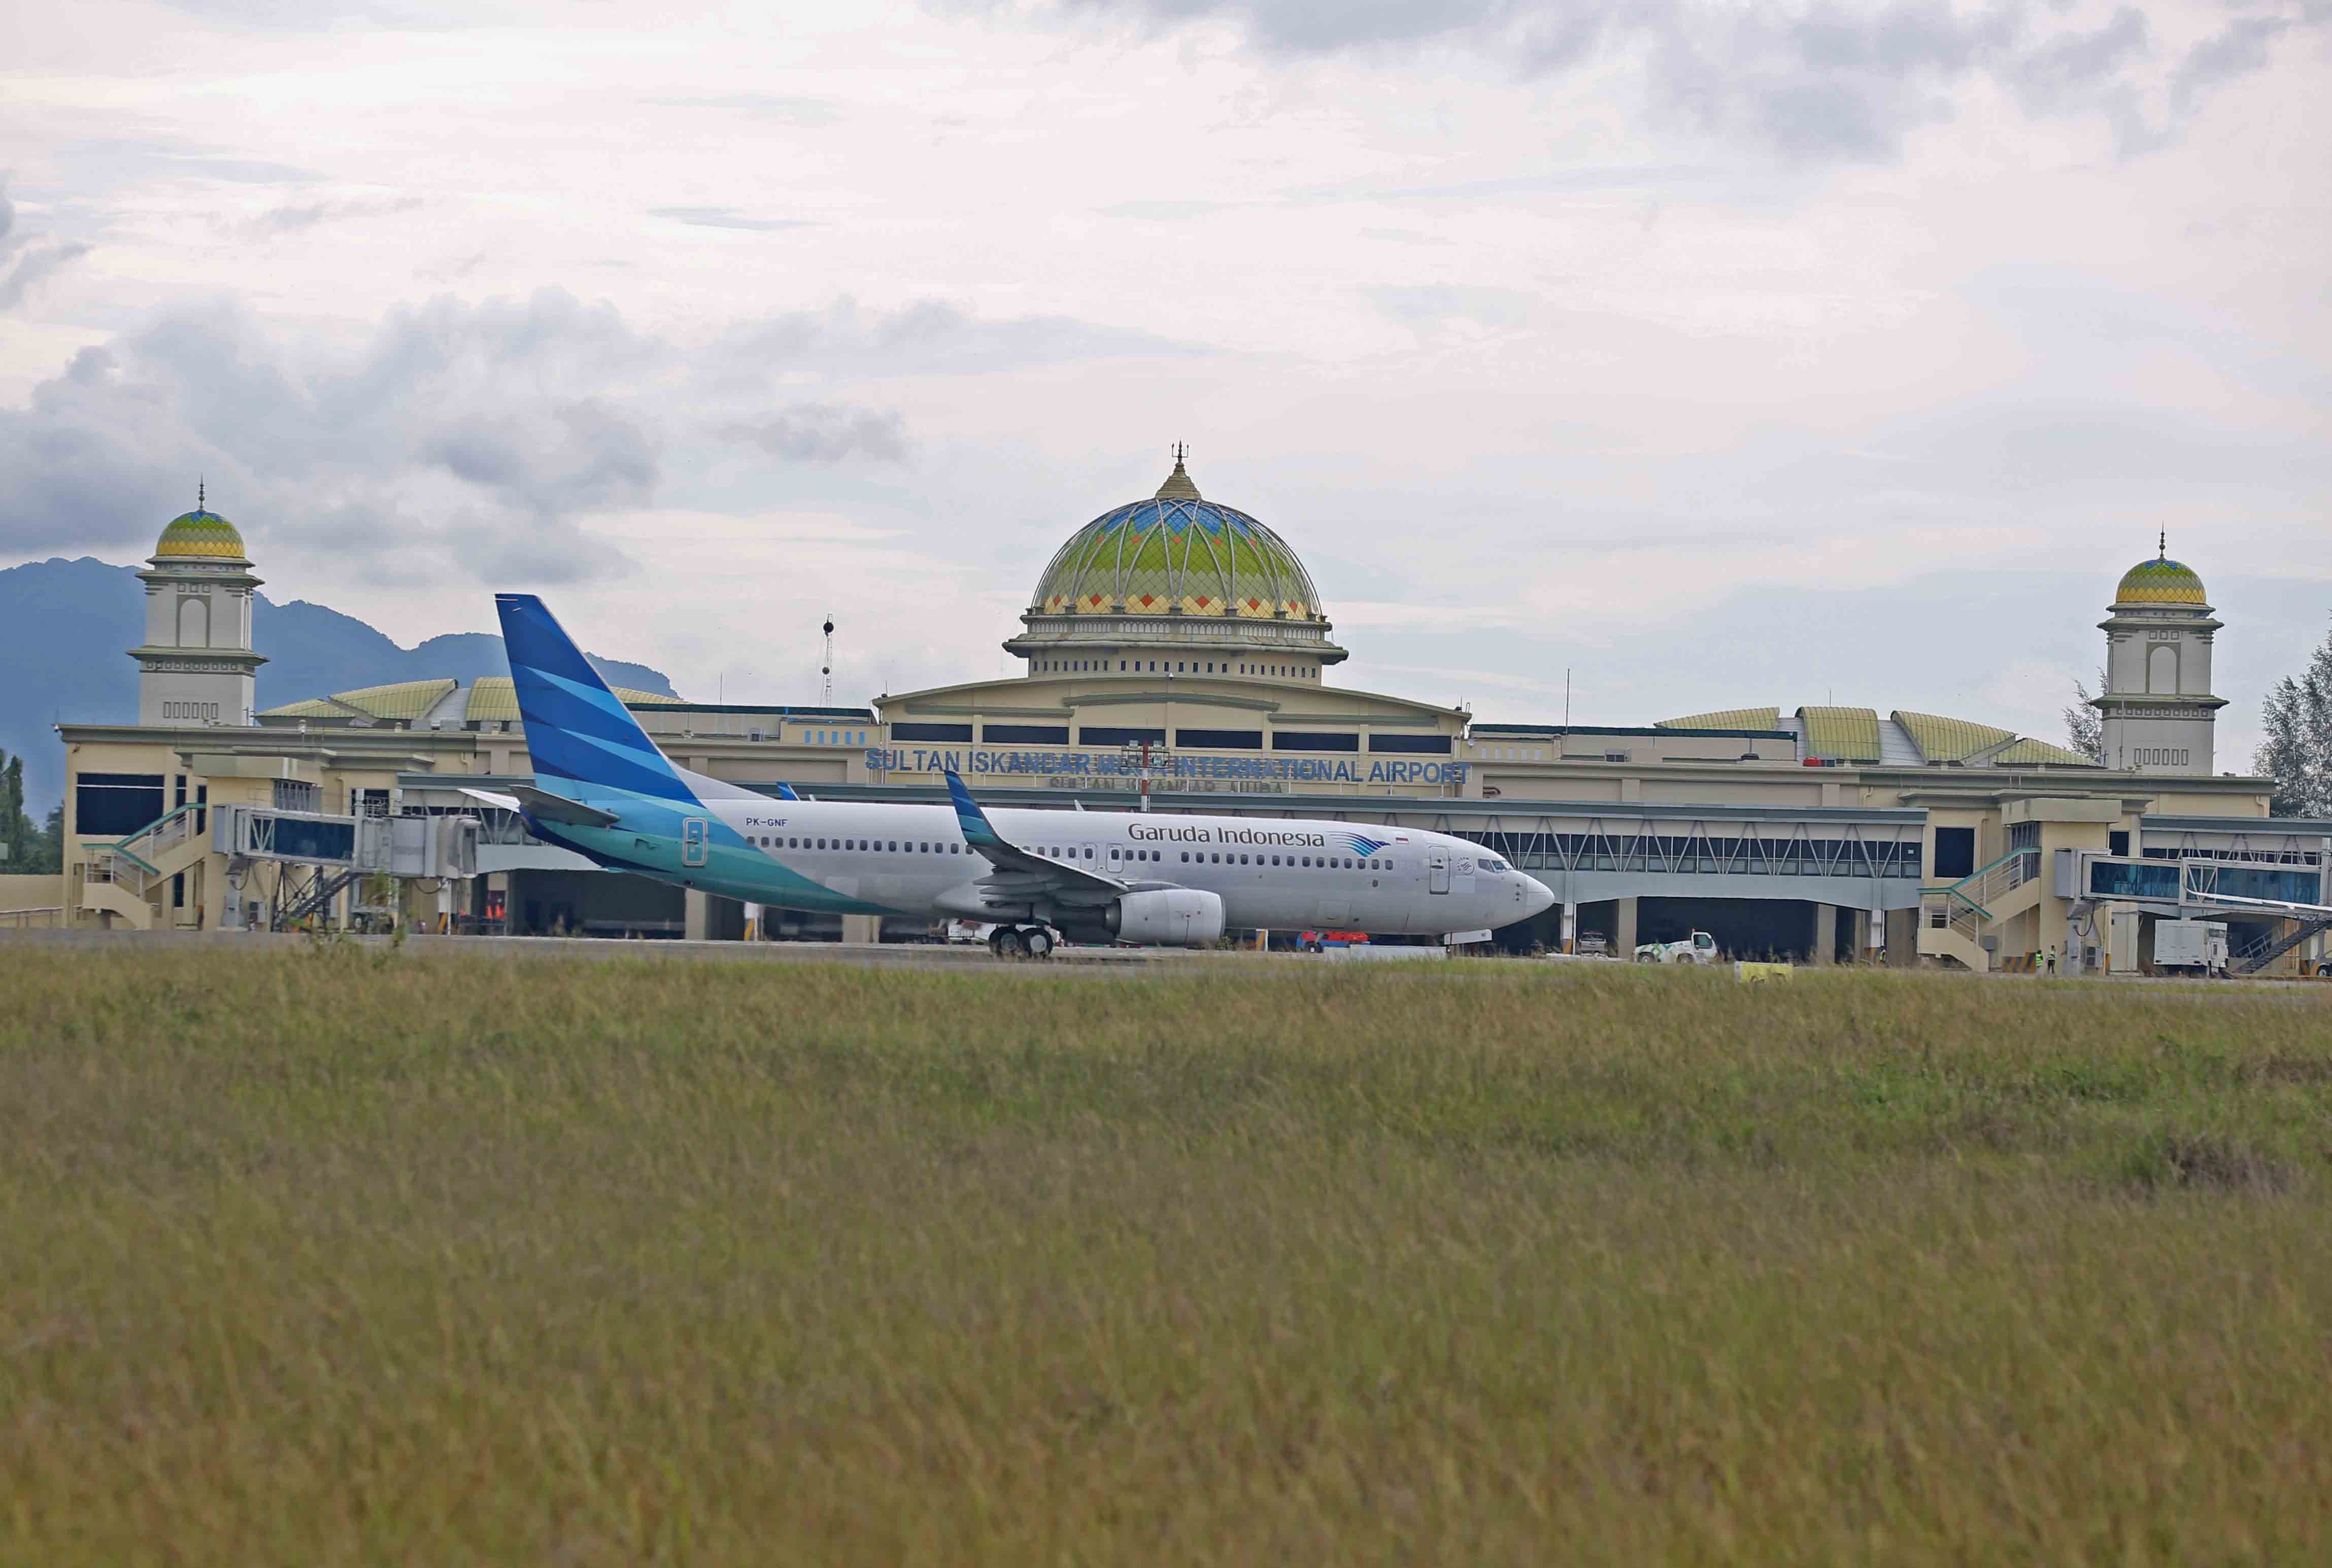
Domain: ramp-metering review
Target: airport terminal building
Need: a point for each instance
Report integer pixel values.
(1177, 658)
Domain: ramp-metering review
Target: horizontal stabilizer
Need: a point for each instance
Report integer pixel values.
(545, 806)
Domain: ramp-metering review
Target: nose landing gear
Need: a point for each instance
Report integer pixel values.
(1020, 941)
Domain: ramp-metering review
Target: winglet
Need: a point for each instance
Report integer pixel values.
(787, 793)
(970, 817)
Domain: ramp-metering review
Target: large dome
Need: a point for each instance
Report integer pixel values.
(2160, 581)
(1178, 553)
(200, 533)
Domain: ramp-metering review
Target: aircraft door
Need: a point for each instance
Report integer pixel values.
(1437, 871)
(695, 836)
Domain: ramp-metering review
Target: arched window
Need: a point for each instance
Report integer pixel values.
(2162, 668)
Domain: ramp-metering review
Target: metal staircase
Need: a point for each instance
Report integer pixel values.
(1953, 917)
(2257, 955)
(317, 898)
(127, 877)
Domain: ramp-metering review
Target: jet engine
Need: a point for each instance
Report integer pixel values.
(1166, 917)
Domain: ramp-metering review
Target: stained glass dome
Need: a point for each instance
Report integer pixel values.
(2160, 581)
(201, 533)
(1178, 553)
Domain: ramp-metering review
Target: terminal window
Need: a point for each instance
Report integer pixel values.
(115, 805)
(1955, 852)
(1221, 740)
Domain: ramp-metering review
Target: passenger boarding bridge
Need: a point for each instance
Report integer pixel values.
(2269, 908)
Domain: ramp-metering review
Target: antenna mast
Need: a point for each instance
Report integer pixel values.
(826, 670)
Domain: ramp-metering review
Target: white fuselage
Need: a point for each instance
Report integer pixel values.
(1275, 873)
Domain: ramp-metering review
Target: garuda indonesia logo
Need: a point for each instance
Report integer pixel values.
(1364, 848)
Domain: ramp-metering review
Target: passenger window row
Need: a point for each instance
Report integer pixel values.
(1311, 862)
(1071, 852)
(876, 846)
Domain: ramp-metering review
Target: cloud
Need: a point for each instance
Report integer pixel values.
(784, 109)
(725, 219)
(2238, 50)
(298, 217)
(459, 441)
(32, 263)
(825, 433)
(1164, 212)
(1809, 78)
(1439, 305)
(108, 162)
(930, 336)
(318, 16)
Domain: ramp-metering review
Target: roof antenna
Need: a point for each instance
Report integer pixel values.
(2165, 544)
(199, 503)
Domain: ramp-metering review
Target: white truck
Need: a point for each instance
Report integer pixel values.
(1698, 947)
(2190, 947)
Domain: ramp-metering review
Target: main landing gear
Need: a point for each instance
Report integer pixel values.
(1020, 941)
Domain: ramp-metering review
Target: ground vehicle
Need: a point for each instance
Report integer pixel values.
(1593, 944)
(1698, 947)
(2191, 946)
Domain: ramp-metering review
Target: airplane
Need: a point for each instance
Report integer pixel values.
(603, 788)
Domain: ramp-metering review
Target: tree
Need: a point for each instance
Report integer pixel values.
(2085, 727)
(44, 853)
(15, 833)
(30, 852)
(2297, 751)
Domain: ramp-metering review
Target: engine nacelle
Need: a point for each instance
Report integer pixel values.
(1170, 917)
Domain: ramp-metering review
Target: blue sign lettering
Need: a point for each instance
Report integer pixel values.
(1118, 764)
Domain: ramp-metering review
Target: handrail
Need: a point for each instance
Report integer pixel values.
(150, 832)
(1976, 876)
(128, 856)
(1952, 891)
(160, 823)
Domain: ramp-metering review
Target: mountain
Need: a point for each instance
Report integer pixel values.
(65, 624)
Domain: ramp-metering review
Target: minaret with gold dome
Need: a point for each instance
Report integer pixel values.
(196, 666)
(2158, 715)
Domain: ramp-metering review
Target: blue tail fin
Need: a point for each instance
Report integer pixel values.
(583, 740)
(969, 816)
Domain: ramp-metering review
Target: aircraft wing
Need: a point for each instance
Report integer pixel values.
(544, 806)
(1016, 870)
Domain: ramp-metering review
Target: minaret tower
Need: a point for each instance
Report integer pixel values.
(2157, 711)
(196, 665)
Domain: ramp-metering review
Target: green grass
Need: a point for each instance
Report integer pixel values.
(325, 1257)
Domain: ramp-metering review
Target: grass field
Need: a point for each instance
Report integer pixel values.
(317, 1258)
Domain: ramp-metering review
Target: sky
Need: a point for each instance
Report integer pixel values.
(1669, 355)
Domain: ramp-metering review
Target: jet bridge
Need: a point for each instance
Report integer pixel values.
(317, 856)
(2287, 899)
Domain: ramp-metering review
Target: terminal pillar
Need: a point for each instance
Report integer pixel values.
(1902, 939)
(1623, 927)
(1570, 934)
(865, 928)
(1825, 934)
(697, 915)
